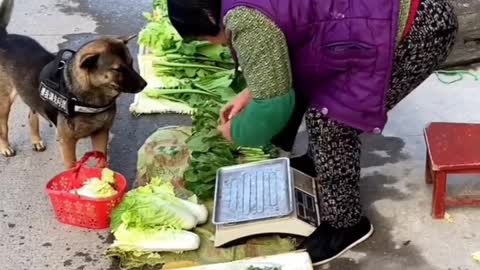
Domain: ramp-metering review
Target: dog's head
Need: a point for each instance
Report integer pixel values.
(106, 64)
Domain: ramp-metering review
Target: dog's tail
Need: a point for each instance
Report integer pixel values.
(6, 8)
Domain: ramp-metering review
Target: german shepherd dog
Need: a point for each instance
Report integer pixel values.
(98, 73)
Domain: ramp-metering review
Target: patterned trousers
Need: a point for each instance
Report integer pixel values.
(335, 148)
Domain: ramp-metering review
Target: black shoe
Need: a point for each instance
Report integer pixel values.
(304, 164)
(328, 243)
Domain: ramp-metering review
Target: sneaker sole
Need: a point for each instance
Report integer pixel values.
(347, 248)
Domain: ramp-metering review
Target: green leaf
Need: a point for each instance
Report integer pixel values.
(212, 51)
(191, 72)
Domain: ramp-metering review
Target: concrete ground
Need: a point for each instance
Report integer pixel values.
(394, 193)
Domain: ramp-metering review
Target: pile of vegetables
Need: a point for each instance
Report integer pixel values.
(152, 218)
(202, 76)
(152, 221)
(95, 188)
(189, 72)
(210, 151)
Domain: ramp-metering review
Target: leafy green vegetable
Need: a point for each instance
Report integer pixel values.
(199, 211)
(159, 32)
(153, 219)
(247, 154)
(210, 151)
(108, 176)
(155, 207)
(95, 188)
(166, 191)
(187, 66)
(135, 259)
(143, 208)
(212, 79)
(156, 240)
(202, 76)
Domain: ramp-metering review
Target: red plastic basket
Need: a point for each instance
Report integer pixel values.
(74, 210)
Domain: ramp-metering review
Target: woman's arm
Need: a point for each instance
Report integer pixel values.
(262, 52)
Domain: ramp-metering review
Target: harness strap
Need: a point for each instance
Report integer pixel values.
(55, 88)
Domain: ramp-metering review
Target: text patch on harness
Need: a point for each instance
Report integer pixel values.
(57, 100)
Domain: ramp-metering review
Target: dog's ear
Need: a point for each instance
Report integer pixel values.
(88, 61)
(127, 39)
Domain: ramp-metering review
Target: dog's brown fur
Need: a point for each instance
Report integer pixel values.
(100, 71)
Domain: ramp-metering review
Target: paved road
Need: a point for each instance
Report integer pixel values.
(30, 238)
(394, 192)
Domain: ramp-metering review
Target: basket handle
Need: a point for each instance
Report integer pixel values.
(99, 159)
(95, 155)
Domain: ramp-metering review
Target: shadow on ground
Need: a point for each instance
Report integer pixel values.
(380, 150)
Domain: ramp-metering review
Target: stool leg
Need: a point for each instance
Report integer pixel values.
(428, 170)
(439, 195)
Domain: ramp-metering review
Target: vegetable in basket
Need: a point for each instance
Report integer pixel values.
(95, 188)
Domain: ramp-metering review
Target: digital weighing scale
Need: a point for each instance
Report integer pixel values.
(266, 197)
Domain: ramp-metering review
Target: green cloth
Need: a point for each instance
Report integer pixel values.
(262, 120)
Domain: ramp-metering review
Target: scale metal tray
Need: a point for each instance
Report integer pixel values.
(253, 192)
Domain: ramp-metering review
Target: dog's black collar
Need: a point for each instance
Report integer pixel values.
(55, 88)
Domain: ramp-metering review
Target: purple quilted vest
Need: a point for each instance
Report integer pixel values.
(341, 53)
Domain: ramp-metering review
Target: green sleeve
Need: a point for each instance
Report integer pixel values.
(262, 52)
(405, 6)
(262, 120)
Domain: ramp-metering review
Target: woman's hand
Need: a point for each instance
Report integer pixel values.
(236, 106)
(226, 130)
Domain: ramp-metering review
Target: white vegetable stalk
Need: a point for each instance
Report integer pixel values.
(156, 240)
(199, 211)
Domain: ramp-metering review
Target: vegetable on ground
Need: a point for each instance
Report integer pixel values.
(152, 218)
(156, 240)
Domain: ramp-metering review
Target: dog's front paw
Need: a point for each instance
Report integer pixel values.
(8, 151)
(39, 147)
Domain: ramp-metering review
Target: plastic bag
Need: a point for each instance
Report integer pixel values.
(165, 155)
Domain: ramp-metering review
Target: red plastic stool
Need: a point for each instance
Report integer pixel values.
(452, 148)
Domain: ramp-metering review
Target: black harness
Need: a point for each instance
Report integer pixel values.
(55, 88)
